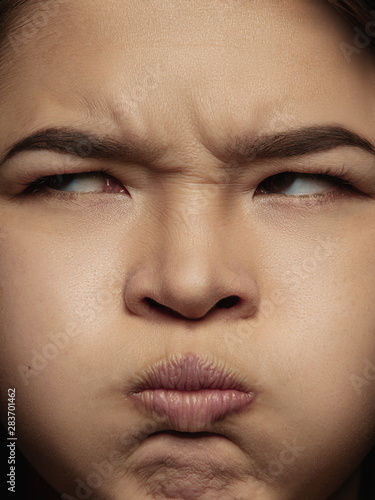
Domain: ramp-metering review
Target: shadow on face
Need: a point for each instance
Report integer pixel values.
(187, 202)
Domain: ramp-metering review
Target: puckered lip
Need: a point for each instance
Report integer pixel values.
(190, 392)
(189, 372)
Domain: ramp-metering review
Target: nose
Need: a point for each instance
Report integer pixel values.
(191, 272)
(191, 290)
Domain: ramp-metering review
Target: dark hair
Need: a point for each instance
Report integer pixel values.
(359, 13)
(13, 17)
(10, 11)
(367, 488)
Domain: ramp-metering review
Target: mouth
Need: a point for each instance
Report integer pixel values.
(190, 392)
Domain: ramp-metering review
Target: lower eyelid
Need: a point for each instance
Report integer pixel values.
(332, 197)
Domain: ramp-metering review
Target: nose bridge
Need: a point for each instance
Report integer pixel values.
(192, 223)
(190, 269)
(190, 266)
(191, 254)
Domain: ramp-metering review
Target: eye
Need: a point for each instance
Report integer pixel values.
(301, 184)
(85, 182)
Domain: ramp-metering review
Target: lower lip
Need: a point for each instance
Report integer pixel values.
(190, 410)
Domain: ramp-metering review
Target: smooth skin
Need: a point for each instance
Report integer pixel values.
(187, 227)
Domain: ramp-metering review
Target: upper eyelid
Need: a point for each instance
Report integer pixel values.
(41, 182)
(344, 174)
(44, 179)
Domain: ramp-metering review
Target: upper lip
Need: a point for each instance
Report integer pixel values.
(189, 372)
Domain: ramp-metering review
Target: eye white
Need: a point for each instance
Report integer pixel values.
(305, 185)
(86, 183)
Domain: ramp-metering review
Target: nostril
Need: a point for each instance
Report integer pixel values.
(160, 307)
(228, 302)
(225, 303)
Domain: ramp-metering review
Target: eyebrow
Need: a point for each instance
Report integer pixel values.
(85, 144)
(297, 142)
(287, 144)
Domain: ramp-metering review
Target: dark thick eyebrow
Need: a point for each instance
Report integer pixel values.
(297, 142)
(82, 144)
(288, 144)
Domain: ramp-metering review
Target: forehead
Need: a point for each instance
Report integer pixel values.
(211, 64)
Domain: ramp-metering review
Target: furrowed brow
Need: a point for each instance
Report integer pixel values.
(297, 142)
(289, 144)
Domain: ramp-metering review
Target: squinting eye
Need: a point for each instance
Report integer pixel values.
(300, 184)
(85, 182)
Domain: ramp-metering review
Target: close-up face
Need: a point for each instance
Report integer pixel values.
(187, 197)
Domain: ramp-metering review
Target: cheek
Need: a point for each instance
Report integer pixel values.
(326, 341)
(54, 303)
(53, 296)
(330, 324)
(313, 350)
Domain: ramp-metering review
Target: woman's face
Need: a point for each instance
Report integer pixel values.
(182, 251)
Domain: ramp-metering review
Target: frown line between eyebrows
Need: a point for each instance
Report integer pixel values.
(83, 144)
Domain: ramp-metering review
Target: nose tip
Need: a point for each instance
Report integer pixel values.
(178, 295)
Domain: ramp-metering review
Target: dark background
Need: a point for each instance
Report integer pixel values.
(29, 484)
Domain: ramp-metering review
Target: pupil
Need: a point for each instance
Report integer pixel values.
(279, 182)
(59, 181)
(62, 180)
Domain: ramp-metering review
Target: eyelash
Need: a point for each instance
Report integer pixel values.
(344, 179)
(38, 186)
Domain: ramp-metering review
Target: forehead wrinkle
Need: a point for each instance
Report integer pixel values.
(99, 109)
(108, 110)
(21, 28)
(99, 106)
